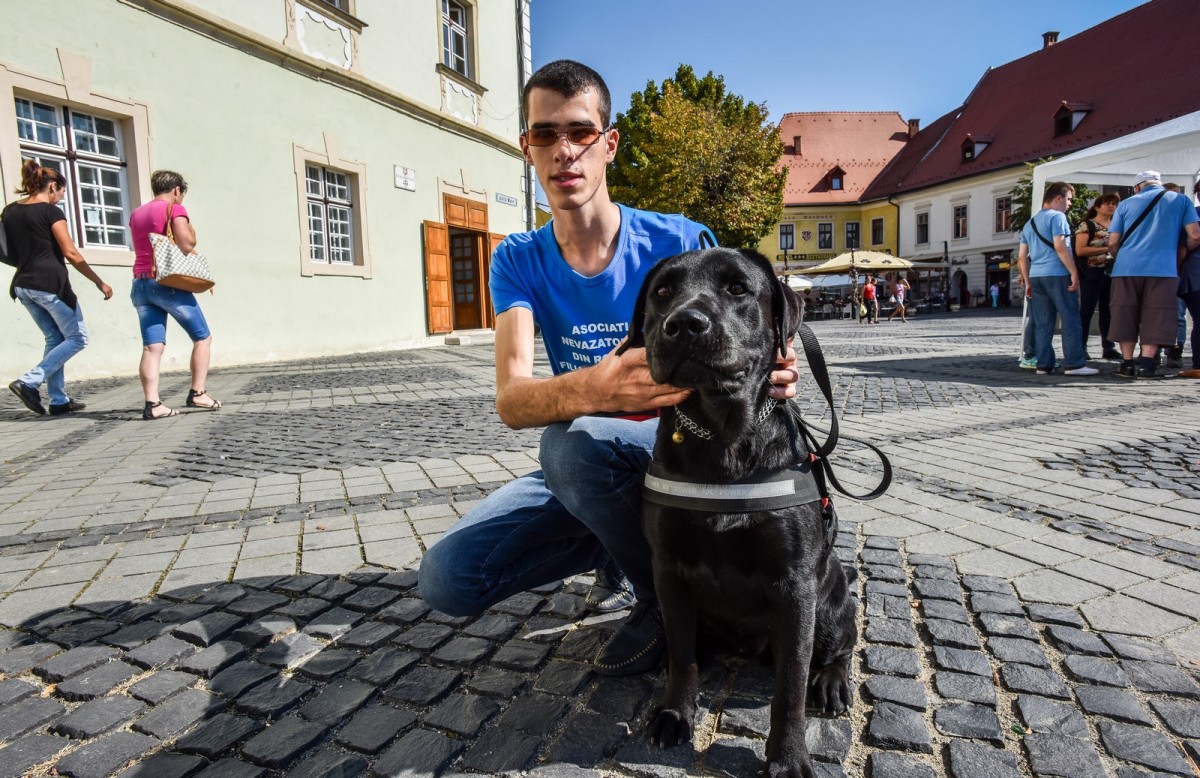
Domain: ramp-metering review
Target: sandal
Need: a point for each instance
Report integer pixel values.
(193, 394)
(148, 411)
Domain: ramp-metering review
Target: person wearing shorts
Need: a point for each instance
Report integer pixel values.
(1144, 238)
(155, 302)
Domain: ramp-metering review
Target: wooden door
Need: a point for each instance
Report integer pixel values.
(489, 310)
(438, 299)
(464, 266)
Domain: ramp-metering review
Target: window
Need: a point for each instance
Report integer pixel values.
(825, 235)
(330, 216)
(959, 221)
(835, 181)
(876, 232)
(341, 5)
(852, 235)
(922, 228)
(787, 237)
(1003, 214)
(88, 151)
(455, 38)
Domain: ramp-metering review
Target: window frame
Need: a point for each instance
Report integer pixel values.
(997, 227)
(856, 229)
(877, 237)
(824, 236)
(447, 27)
(74, 92)
(787, 230)
(355, 202)
(921, 224)
(960, 225)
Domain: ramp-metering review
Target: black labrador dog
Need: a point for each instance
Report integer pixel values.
(731, 551)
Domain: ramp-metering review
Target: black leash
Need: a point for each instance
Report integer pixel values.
(821, 452)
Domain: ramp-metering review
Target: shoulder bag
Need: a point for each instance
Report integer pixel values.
(187, 272)
(6, 255)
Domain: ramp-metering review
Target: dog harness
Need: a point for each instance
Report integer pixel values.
(783, 488)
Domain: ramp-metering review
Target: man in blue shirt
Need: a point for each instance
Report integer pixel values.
(1051, 280)
(1144, 237)
(577, 279)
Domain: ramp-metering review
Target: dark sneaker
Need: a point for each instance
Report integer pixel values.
(1110, 353)
(70, 406)
(1174, 356)
(29, 396)
(1126, 370)
(638, 646)
(611, 591)
(1148, 373)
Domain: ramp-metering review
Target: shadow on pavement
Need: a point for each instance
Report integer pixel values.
(310, 675)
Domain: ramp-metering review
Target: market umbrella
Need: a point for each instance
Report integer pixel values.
(799, 282)
(862, 260)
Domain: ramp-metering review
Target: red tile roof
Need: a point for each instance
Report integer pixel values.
(859, 143)
(1132, 71)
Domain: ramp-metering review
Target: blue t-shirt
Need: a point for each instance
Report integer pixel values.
(583, 318)
(1151, 250)
(1043, 260)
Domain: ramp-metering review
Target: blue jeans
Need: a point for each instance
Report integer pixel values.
(1181, 333)
(1029, 336)
(65, 335)
(1051, 299)
(154, 301)
(581, 509)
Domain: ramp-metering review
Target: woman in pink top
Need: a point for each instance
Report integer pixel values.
(155, 302)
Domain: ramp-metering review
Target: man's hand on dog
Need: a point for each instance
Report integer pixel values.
(623, 382)
(785, 376)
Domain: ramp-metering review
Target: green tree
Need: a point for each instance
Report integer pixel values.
(690, 147)
(1022, 196)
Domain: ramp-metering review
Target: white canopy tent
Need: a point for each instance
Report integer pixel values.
(1172, 148)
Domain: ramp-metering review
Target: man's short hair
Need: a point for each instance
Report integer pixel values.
(569, 78)
(1055, 189)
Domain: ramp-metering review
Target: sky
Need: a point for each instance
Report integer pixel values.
(920, 58)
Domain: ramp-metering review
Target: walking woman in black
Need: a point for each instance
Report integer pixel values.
(40, 243)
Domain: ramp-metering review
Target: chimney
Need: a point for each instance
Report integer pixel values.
(914, 126)
(1049, 39)
(796, 145)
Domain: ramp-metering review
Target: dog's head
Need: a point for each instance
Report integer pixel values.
(714, 318)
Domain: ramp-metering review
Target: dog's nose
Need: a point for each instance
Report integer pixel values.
(686, 323)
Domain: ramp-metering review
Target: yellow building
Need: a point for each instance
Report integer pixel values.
(831, 158)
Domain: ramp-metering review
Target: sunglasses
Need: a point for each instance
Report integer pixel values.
(578, 136)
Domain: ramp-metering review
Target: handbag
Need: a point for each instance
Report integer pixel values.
(187, 272)
(5, 257)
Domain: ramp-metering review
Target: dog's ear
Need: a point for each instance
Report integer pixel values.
(785, 303)
(637, 325)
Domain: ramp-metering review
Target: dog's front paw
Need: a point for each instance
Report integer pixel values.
(829, 690)
(669, 727)
(776, 770)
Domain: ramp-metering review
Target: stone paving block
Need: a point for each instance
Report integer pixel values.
(1034, 680)
(290, 651)
(236, 679)
(164, 765)
(462, 714)
(21, 756)
(97, 682)
(978, 722)
(1026, 652)
(886, 764)
(1143, 746)
(337, 701)
(159, 652)
(1154, 677)
(962, 661)
(330, 764)
(264, 629)
(105, 756)
(97, 717)
(179, 713)
(368, 636)
(1097, 671)
(73, 662)
(217, 735)
(419, 752)
(964, 687)
(161, 685)
(891, 661)
(274, 698)
(894, 726)
(28, 715)
(208, 629)
(422, 686)
(214, 659)
(497, 752)
(1113, 703)
(282, 742)
(333, 623)
(373, 727)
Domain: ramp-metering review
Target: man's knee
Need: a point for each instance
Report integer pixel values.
(443, 586)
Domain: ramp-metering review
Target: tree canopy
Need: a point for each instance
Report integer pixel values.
(1022, 196)
(690, 147)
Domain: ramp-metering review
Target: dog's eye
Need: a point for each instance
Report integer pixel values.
(662, 292)
(737, 289)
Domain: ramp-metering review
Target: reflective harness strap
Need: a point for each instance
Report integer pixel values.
(783, 488)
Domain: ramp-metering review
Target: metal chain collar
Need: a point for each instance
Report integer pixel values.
(683, 422)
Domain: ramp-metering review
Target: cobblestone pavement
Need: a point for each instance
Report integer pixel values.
(232, 594)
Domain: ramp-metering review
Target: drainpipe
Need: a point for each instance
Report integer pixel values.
(524, 71)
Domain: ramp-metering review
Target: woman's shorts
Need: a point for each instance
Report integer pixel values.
(154, 301)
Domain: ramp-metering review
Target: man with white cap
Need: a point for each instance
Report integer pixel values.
(1144, 237)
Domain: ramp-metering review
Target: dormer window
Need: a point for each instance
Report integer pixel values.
(836, 179)
(1068, 117)
(973, 146)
